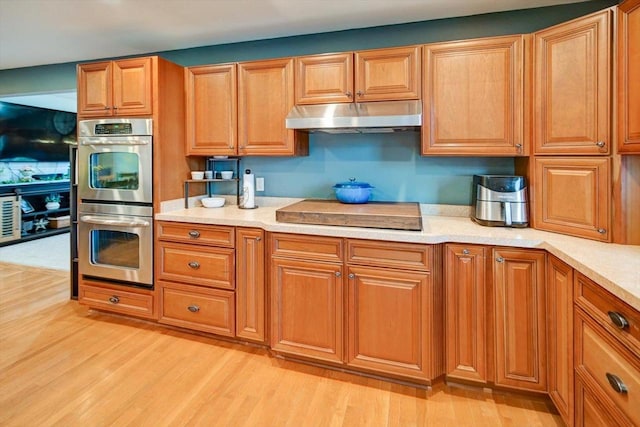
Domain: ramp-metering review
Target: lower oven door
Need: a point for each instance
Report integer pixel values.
(116, 247)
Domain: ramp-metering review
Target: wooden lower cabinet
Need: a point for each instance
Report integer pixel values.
(466, 312)
(589, 412)
(116, 298)
(250, 284)
(199, 308)
(307, 309)
(560, 336)
(520, 319)
(388, 323)
(608, 371)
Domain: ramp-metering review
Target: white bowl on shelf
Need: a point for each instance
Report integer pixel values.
(226, 174)
(197, 175)
(212, 202)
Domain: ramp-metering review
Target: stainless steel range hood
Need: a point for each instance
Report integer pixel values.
(364, 117)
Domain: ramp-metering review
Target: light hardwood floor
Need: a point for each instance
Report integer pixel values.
(64, 365)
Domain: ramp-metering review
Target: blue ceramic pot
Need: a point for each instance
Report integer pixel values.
(353, 191)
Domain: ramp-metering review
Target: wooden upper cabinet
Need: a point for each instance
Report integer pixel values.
(572, 196)
(116, 88)
(265, 97)
(372, 75)
(473, 97)
(628, 81)
(388, 74)
(465, 312)
(519, 319)
(572, 86)
(322, 79)
(212, 110)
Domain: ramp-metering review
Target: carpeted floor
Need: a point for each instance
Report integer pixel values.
(49, 252)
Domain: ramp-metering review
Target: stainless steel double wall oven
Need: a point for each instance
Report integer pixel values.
(115, 193)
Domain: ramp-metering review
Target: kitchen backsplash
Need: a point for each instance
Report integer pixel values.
(389, 162)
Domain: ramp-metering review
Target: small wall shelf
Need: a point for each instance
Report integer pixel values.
(216, 166)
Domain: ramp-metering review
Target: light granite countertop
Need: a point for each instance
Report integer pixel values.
(615, 267)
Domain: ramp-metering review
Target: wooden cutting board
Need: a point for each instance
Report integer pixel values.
(391, 215)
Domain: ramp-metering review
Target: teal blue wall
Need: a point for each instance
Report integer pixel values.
(390, 162)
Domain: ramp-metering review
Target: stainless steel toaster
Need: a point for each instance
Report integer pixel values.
(500, 201)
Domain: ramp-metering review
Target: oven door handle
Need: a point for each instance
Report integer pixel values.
(101, 220)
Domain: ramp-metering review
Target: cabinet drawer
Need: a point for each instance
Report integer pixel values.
(202, 309)
(389, 254)
(204, 266)
(601, 358)
(613, 314)
(118, 299)
(306, 247)
(196, 233)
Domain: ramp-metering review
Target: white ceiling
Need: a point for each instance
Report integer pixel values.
(38, 32)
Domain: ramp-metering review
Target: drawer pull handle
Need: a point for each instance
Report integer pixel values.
(465, 252)
(114, 299)
(618, 319)
(194, 264)
(500, 259)
(194, 233)
(193, 308)
(616, 383)
(602, 231)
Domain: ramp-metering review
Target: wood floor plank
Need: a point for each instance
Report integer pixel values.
(64, 365)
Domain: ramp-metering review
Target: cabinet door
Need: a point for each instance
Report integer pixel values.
(388, 74)
(250, 302)
(212, 110)
(465, 312)
(132, 86)
(473, 97)
(307, 309)
(388, 330)
(265, 97)
(572, 81)
(94, 89)
(560, 332)
(322, 79)
(628, 81)
(572, 196)
(519, 319)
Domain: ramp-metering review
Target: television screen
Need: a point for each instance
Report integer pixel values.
(35, 134)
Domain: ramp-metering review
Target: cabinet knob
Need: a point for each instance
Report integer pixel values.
(360, 93)
(616, 383)
(193, 308)
(114, 299)
(349, 94)
(194, 233)
(194, 264)
(258, 239)
(230, 145)
(618, 319)
(107, 108)
(500, 259)
(465, 252)
(338, 274)
(602, 231)
(600, 144)
(352, 276)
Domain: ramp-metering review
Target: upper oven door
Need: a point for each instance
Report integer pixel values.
(115, 168)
